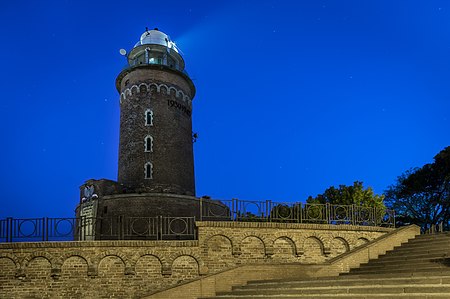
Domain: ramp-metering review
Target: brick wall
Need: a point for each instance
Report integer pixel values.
(168, 94)
(132, 269)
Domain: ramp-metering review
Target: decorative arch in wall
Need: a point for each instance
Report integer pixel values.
(136, 88)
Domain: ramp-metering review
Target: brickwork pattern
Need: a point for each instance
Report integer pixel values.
(132, 269)
(168, 95)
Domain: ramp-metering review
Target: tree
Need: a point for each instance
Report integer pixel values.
(422, 195)
(366, 207)
(349, 195)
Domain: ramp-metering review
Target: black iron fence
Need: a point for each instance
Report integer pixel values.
(269, 211)
(99, 228)
(183, 228)
(438, 228)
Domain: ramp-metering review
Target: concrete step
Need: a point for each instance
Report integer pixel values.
(418, 262)
(397, 266)
(405, 271)
(446, 233)
(428, 241)
(391, 274)
(424, 246)
(371, 277)
(417, 242)
(431, 236)
(364, 290)
(346, 296)
(443, 259)
(419, 268)
(338, 281)
(400, 261)
(440, 263)
(432, 247)
(442, 242)
(415, 255)
(420, 238)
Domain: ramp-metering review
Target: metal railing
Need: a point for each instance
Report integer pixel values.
(294, 212)
(134, 64)
(436, 228)
(183, 228)
(87, 228)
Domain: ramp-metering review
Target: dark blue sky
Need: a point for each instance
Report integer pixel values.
(292, 96)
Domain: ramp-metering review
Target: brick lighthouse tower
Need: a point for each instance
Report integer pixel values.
(155, 150)
(156, 161)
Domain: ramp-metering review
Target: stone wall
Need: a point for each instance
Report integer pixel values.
(132, 269)
(223, 281)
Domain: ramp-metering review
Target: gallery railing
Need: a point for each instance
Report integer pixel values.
(86, 228)
(269, 211)
(183, 228)
(440, 227)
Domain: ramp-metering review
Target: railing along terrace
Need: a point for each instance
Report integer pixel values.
(183, 228)
(295, 212)
(440, 227)
(98, 228)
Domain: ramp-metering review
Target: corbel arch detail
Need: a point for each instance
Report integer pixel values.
(136, 88)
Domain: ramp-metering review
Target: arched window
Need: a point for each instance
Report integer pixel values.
(149, 117)
(148, 170)
(148, 144)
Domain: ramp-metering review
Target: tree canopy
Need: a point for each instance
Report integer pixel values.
(422, 195)
(348, 195)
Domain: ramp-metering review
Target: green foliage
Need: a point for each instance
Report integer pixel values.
(422, 195)
(249, 217)
(349, 195)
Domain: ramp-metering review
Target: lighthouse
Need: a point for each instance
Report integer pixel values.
(156, 143)
(156, 161)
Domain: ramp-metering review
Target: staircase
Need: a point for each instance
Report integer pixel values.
(419, 268)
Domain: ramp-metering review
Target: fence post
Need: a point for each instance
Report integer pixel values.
(195, 229)
(353, 214)
(42, 227)
(80, 229)
(9, 229)
(327, 212)
(84, 227)
(234, 203)
(377, 220)
(120, 227)
(375, 216)
(300, 212)
(268, 210)
(78, 223)
(201, 208)
(160, 225)
(45, 231)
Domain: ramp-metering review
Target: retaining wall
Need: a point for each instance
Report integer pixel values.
(133, 269)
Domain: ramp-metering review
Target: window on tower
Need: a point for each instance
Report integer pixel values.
(140, 59)
(149, 117)
(155, 60)
(148, 169)
(148, 143)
